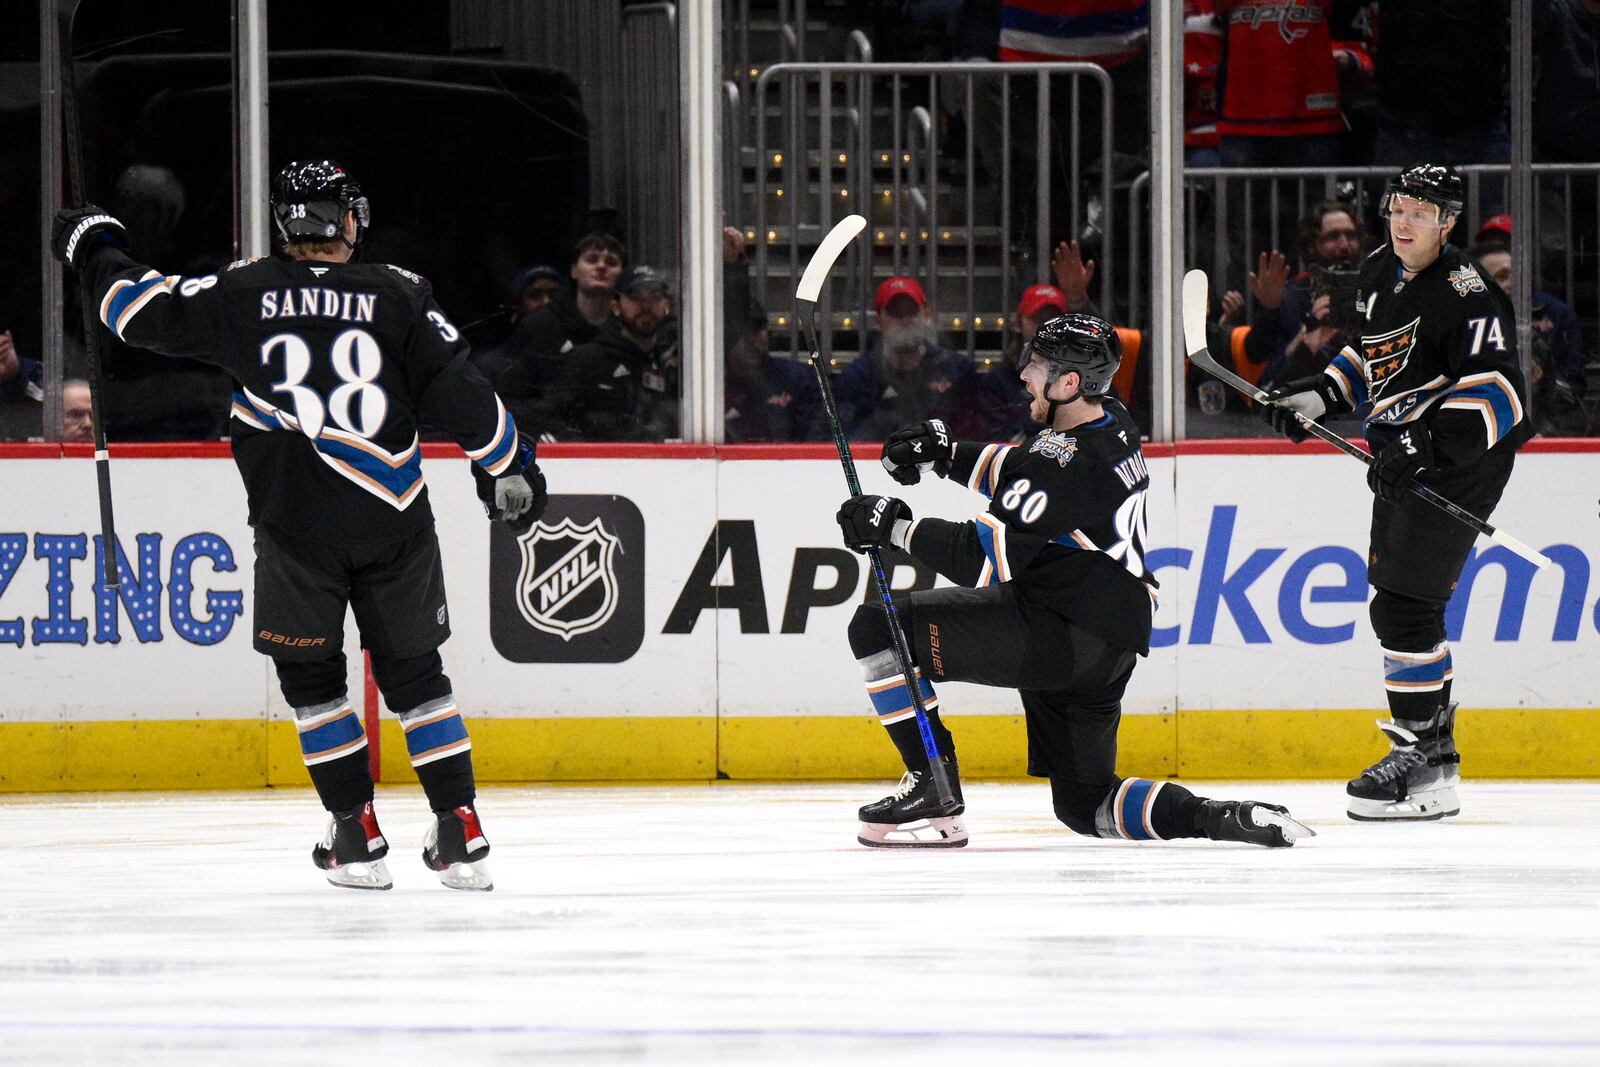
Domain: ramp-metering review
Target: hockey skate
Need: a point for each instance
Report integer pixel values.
(456, 849)
(1417, 780)
(1252, 822)
(913, 817)
(352, 851)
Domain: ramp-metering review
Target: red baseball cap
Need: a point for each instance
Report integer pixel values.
(900, 285)
(1494, 224)
(1040, 297)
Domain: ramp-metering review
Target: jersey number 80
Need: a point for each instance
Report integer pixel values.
(357, 405)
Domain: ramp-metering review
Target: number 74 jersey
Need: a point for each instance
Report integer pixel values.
(1065, 523)
(334, 365)
(1440, 350)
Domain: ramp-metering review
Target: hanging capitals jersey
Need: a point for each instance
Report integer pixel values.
(334, 366)
(1440, 350)
(1065, 522)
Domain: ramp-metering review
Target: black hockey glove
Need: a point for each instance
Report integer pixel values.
(78, 231)
(912, 451)
(868, 521)
(1315, 398)
(518, 497)
(1397, 462)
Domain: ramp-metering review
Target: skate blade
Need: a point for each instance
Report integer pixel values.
(948, 832)
(470, 876)
(1419, 807)
(1291, 828)
(373, 875)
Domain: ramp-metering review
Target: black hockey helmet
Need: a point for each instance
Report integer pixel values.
(1436, 183)
(310, 197)
(1087, 344)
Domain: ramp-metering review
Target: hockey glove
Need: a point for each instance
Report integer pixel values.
(1397, 462)
(912, 451)
(868, 521)
(1313, 397)
(79, 231)
(518, 497)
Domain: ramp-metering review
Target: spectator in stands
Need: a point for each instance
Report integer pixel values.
(1202, 58)
(536, 286)
(766, 398)
(1039, 305)
(625, 385)
(1302, 323)
(77, 412)
(536, 357)
(1558, 359)
(21, 392)
(905, 376)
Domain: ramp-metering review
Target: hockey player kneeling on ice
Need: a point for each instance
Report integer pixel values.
(1055, 601)
(335, 364)
(1438, 376)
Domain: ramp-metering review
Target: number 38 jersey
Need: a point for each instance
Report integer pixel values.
(1440, 350)
(334, 366)
(1065, 523)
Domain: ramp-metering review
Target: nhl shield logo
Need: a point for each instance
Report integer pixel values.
(567, 584)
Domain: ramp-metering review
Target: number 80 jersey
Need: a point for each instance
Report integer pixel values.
(334, 365)
(1066, 523)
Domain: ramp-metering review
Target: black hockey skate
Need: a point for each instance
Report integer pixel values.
(352, 851)
(913, 817)
(1250, 821)
(456, 848)
(1417, 780)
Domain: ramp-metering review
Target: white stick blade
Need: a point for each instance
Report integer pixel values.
(1533, 556)
(1195, 287)
(822, 260)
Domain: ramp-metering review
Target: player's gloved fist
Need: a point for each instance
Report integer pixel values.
(868, 521)
(1312, 397)
(78, 231)
(912, 451)
(518, 497)
(1397, 462)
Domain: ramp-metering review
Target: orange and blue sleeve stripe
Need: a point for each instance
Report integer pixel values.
(125, 299)
(985, 477)
(496, 456)
(1491, 396)
(992, 539)
(1347, 377)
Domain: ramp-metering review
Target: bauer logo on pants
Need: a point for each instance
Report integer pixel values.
(571, 589)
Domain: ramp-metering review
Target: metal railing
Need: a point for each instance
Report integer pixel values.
(925, 203)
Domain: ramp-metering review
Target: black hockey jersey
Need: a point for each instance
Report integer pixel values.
(334, 365)
(1440, 349)
(1066, 523)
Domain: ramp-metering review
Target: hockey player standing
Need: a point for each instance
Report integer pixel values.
(1437, 365)
(335, 363)
(1056, 601)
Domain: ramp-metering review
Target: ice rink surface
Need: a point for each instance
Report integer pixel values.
(741, 924)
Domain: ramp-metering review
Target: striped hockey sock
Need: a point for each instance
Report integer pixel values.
(886, 687)
(333, 744)
(441, 752)
(1141, 810)
(1418, 683)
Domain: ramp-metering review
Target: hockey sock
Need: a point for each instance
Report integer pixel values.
(886, 685)
(1141, 810)
(334, 746)
(441, 752)
(1418, 683)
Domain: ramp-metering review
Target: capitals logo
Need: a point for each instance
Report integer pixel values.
(1056, 446)
(568, 584)
(1384, 356)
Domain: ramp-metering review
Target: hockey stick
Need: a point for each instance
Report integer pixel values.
(91, 339)
(806, 297)
(1195, 287)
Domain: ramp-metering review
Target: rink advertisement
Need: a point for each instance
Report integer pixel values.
(682, 615)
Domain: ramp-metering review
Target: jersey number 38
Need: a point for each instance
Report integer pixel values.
(357, 405)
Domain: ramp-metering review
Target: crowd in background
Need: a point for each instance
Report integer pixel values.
(588, 350)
